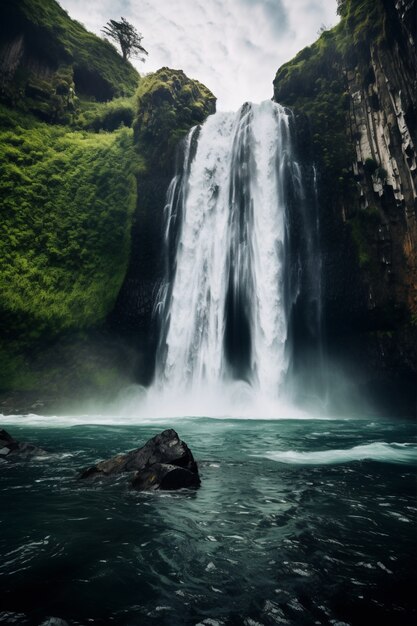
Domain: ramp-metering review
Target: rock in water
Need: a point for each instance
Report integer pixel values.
(164, 462)
(12, 449)
(165, 476)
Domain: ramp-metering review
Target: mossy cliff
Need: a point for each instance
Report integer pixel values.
(48, 61)
(354, 93)
(81, 197)
(67, 198)
(168, 105)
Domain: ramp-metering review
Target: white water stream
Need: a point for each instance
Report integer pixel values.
(225, 311)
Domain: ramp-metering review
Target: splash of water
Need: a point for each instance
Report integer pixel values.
(375, 451)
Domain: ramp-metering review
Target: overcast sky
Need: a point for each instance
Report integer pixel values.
(232, 46)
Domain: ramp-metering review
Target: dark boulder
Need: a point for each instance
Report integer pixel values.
(164, 462)
(165, 476)
(5, 437)
(12, 449)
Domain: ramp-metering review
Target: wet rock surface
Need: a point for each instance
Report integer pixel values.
(164, 462)
(12, 449)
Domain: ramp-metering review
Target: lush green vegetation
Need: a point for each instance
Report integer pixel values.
(168, 105)
(106, 116)
(67, 200)
(314, 84)
(363, 226)
(361, 21)
(62, 62)
(68, 191)
(67, 195)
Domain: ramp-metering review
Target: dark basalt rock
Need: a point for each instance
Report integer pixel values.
(12, 449)
(164, 462)
(165, 476)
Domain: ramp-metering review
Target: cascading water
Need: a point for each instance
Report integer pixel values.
(224, 312)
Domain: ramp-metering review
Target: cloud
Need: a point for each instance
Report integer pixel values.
(274, 10)
(232, 46)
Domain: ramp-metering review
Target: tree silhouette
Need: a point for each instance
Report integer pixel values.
(128, 38)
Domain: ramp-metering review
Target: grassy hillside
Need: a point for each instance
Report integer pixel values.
(67, 200)
(69, 172)
(48, 60)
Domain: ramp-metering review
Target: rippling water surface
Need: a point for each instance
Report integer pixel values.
(296, 522)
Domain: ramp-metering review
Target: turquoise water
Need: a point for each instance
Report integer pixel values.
(296, 522)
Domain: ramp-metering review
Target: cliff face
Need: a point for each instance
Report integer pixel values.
(82, 203)
(355, 95)
(168, 105)
(67, 198)
(81, 210)
(47, 60)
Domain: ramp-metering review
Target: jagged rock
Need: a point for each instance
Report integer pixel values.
(164, 462)
(10, 448)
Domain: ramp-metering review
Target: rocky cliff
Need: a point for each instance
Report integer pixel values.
(355, 95)
(67, 196)
(47, 60)
(82, 196)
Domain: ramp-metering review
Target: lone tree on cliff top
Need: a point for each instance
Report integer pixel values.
(128, 38)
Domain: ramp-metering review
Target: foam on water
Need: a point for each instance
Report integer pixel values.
(376, 451)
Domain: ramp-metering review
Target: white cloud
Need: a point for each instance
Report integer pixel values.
(232, 46)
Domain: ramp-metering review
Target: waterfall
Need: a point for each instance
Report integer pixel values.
(224, 311)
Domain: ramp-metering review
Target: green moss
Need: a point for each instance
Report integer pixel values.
(14, 370)
(67, 200)
(362, 21)
(381, 173)
(168, 105)
(63, 56)
(313, 84)
(106, 116)
(76, 366)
